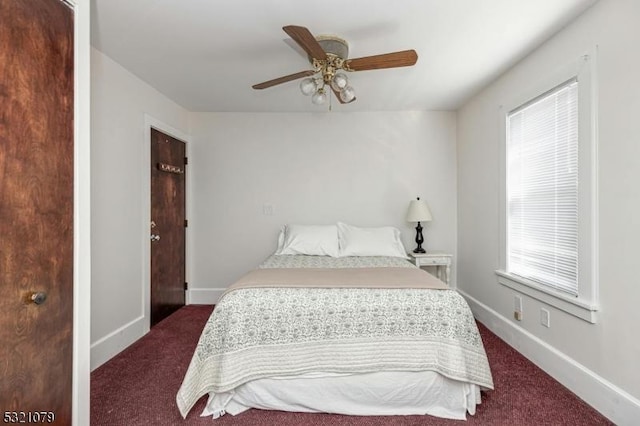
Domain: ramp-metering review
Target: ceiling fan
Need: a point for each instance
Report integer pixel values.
(328, 57)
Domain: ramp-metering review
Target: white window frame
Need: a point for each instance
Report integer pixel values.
(585, 305)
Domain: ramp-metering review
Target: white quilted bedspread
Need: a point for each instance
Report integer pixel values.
(265, 332)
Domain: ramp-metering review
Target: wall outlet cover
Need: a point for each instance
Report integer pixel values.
(545, 317)
(517, 303)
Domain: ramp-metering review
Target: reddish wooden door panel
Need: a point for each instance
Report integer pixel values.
(36, 206)
(168, 219)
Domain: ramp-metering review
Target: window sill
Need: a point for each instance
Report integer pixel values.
(574, 306)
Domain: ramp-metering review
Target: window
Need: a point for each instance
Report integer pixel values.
(542, 189)
(549, 249)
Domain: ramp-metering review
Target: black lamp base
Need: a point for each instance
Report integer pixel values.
(419, 240)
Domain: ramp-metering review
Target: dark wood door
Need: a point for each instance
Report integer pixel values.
(167, 225)
(36, 209)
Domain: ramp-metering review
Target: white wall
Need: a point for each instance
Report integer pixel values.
(119, 102)
(360, 168)
(610, 349)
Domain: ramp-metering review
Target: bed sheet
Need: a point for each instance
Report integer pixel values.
(369, 394)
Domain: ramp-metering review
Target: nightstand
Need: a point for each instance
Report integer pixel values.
(442, 262)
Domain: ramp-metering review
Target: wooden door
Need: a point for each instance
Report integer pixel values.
(167, 226)
(36, 210)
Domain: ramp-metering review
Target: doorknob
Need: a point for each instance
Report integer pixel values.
(155, 237)
(37, 298)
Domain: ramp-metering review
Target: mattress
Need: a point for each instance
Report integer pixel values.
(265, 339)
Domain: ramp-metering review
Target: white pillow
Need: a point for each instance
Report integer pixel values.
(311, 240)
(381, 241)
(281, 239)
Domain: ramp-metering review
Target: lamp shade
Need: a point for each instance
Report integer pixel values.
(308, 86)
(319, 97)
(418, 211)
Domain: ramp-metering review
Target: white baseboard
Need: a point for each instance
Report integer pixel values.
(617, 405)
(204, 296)
(113, 343)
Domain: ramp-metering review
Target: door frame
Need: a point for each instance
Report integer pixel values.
(81, 370)
(149, 123)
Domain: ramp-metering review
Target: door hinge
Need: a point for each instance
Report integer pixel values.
(186, 223)
(186, 286)
(186, 161)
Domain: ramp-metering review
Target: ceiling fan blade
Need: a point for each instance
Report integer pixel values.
(335, 92)
(306, 40)
(283, 79)
(404, 58)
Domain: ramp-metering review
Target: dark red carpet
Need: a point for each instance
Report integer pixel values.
(138, 387)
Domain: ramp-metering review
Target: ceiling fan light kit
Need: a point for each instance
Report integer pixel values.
(326, 75)
(328, 56)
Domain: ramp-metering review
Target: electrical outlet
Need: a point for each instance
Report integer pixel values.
(517, 308)
(517, 304)
(545, 317)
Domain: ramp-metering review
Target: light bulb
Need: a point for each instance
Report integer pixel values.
(339, 82)
(308, 86)
(347, 94)
(319, 97)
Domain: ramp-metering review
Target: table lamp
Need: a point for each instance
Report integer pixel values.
(418, 212)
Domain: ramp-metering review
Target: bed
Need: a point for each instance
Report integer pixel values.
(358, 335)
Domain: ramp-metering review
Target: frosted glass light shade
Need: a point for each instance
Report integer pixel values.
(418, 211)
(347, 94)
(339, 82)
(319, 97)
(308, 86)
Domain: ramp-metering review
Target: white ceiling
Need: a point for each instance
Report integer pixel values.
(206, 54)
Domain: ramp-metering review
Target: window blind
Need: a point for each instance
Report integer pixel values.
(542, 189)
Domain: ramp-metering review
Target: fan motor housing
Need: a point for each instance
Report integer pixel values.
(333, 46)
